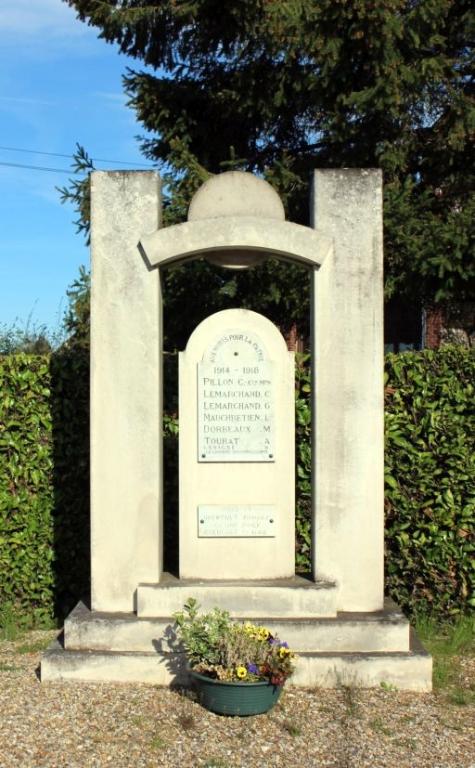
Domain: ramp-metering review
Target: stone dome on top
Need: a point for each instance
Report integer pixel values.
(236, 193)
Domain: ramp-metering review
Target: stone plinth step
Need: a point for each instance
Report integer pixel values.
(155, 668)
(297, 597)
(386, 630)
(410, 670)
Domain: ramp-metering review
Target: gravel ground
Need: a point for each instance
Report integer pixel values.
(85, 725)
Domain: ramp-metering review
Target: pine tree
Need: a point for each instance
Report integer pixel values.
(280, 87)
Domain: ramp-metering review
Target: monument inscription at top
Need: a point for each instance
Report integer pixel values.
(236, 400)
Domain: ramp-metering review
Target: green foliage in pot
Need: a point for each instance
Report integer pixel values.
(229, 651)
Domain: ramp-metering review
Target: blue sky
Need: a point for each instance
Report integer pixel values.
(59, 85)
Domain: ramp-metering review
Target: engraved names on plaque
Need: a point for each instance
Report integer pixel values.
(236, 401)
(232, 520)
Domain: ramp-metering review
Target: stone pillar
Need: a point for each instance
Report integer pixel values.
(348, 405)
(126, 390)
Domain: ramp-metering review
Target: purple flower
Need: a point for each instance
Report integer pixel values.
(252, 668)
(284, 645)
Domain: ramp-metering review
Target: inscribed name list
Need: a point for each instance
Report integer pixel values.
(236, 411)
(231, 520)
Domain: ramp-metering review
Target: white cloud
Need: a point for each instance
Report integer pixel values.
(48, 19)
(28, 101)
(113, 99)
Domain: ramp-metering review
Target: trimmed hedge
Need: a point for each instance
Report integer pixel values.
(303, 456)
(44, 488)
(430, 477)
(430, 480)
(26, 489)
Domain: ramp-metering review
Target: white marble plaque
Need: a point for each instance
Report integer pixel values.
(227, 521)
(236, 401)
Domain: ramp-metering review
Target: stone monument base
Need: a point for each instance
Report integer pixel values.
(359, 649)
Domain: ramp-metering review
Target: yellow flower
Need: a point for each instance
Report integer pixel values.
(250, 629)
(241, 672)
(283, 652)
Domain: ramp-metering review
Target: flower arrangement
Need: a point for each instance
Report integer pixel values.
(224, 650)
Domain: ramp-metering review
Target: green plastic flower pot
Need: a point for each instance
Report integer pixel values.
(242, 699)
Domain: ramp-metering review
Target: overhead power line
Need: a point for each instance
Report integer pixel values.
(37, 168)
(71, 157)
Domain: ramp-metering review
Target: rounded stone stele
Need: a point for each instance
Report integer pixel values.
(235, 193)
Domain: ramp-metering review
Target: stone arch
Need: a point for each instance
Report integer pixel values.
(235, 235)
(343, 248)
